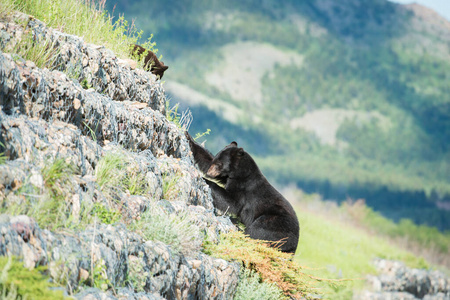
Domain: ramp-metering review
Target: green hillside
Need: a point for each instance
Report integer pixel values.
(348, 99)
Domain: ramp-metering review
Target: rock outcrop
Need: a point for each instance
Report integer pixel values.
(88, 104)
(396, 281)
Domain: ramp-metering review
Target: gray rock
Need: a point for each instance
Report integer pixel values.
(51, 96)
(115, 251)
(396, 281)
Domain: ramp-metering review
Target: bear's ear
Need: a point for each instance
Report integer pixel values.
(240, 152)
(233, 144)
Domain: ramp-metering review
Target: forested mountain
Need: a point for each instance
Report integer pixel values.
(348, 98)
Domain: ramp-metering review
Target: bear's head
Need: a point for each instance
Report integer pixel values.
(231, 163)
(159, 69)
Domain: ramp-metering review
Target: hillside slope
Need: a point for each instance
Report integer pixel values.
(99, 198)
(348, 98)
(96, 185)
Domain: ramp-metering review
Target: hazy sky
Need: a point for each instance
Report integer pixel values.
(441, 6)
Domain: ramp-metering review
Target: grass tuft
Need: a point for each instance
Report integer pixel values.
(170, 189)
(110, 171)
(176, 230)
(56, 177)
(116, 172)
(3, 157)
(41, 51)
(181, 120)
(48, 204)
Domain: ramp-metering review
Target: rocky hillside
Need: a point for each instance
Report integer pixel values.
(98, 190)
(91, 171)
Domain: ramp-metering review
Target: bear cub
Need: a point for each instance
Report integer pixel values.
(151, 62)
(239, 187)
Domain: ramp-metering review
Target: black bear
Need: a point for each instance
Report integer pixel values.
(151, 62)
(240, 188)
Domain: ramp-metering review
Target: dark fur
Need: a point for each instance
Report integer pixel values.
(246, 193)
(151, 62)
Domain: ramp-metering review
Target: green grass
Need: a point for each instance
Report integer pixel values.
(57, 175)
(51, 205)
(176, 230)
(42, 52)
(427, 237)
(17, 282)
(428, 241)
(115, 172)
(340, 250)
(48, 204)
(87, 19)
(3, 157)
(110, 171)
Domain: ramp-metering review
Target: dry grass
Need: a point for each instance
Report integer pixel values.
(271, 264)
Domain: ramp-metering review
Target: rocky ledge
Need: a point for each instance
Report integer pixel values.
(46, 115)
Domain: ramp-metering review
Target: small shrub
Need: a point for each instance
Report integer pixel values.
(137, 276)
(251, 287)
(273, 266)
(17, 282)
(100, 277)
(105, 215)
(85, 84)
(200, 135)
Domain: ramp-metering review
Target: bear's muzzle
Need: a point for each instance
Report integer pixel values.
(213, 171)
